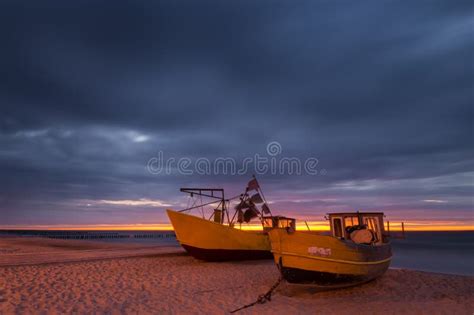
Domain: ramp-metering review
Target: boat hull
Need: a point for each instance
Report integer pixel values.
(210, 241)
(321, 260)
(227, 254)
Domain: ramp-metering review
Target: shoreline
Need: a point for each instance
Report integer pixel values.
(432, 272)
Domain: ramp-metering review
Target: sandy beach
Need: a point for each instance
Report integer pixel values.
(39, 276)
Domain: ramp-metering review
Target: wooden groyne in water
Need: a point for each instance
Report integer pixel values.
(91, 235)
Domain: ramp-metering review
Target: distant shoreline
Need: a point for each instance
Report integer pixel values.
(171, 230)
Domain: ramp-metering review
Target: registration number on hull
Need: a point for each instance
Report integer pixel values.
(319, 251)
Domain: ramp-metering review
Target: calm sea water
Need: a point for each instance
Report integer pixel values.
(444, 252)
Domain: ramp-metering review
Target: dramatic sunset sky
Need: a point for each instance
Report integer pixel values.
(380, 92)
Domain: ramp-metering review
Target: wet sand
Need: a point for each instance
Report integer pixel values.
(165, 280)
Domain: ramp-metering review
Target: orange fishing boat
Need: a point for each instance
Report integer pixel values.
(219, 237)
(357, 250)
(214, 241)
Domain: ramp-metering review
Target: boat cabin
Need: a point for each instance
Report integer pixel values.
(360, 227)
(278, 222)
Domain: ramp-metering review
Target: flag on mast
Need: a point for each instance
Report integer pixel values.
(253, 185)
(256, 198)
(266, 209)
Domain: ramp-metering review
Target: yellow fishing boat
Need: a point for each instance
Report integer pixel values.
(213, 241)
(356, 250)
(219, 237)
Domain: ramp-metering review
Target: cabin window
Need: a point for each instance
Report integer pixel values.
(268, 222)
(351, 221)
(337, 226)
(372, 225)
(284, 223)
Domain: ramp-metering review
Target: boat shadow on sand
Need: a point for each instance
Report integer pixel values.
(310, 290)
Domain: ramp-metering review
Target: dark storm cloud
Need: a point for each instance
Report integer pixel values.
(380, 93)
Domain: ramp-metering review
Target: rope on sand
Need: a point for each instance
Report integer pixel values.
(263, 298)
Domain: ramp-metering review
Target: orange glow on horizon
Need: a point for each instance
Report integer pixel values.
(99, 227)
(313, 226)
